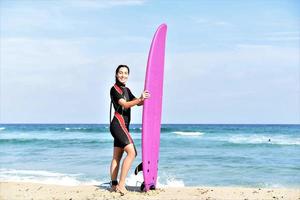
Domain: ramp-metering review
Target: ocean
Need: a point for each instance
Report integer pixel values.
(190, 154)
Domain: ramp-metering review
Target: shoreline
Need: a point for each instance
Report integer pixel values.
(35, 191)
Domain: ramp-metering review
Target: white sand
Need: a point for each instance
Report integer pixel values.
(35, 191)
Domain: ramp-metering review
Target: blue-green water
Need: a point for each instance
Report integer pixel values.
(190, 155)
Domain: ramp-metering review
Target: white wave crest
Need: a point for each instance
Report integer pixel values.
(45, 177)
(137, 180)
(67, 128)
(188, 133)
(2, 128)
(264, 139)
(52, 136)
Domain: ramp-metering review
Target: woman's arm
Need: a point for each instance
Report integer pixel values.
(138, 101)
(129, 104)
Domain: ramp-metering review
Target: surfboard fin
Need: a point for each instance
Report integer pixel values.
(139, 168)
(142, 186)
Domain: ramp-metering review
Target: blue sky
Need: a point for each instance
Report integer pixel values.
(226, 61)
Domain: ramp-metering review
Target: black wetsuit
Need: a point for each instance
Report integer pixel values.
(119, 127)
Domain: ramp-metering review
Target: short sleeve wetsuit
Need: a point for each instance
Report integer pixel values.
(119, 127)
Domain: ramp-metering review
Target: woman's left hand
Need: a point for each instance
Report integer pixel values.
(145, 95)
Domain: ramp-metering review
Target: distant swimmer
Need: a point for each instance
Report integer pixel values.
(269, 140)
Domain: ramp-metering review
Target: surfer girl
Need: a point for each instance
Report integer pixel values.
(122, 100)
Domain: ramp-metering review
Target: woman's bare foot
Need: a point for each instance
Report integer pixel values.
(121, 189)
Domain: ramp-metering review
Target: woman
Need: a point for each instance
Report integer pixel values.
(122, 100)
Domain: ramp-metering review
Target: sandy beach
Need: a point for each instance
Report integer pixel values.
(35, 191)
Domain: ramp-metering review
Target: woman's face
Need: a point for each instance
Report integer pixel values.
(122, 75)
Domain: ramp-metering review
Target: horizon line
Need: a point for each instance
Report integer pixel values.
(161, 124)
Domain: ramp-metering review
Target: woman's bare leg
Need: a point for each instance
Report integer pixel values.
(115, 163)
(126, 165)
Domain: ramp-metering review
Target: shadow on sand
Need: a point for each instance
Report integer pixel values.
(106, 186)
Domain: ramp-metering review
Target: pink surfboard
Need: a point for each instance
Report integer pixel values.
(152, 108)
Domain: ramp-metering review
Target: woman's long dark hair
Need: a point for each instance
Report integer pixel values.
(118, 68)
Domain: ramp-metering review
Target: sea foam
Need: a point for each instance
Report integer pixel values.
(137, 180)
(45, 177)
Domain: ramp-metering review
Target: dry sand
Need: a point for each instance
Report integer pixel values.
(34, 191)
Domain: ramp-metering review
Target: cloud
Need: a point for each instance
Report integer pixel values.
(93, 4)
(24, 18)
(249, 78)
(209, 22)
(55, 76)
(284, 36)
(62, 18)
(64, 61)
(60, 58)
